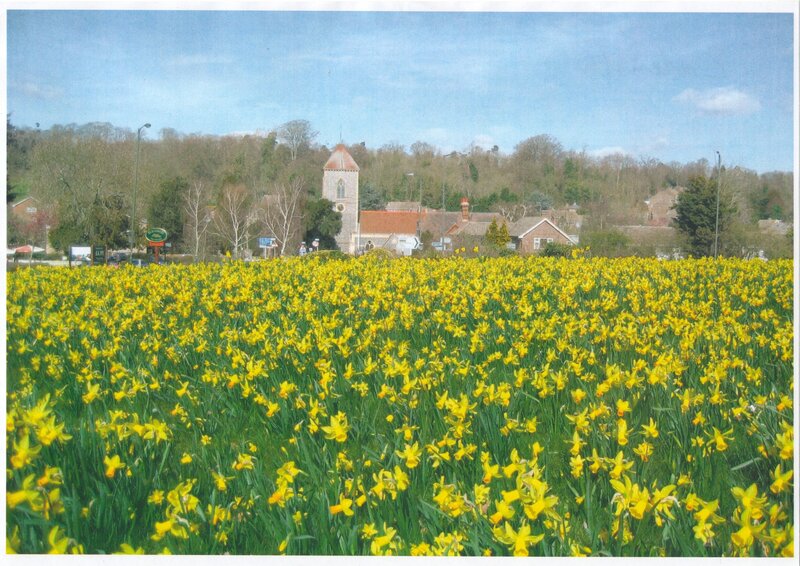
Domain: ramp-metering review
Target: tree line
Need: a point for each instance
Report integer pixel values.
(217, 193)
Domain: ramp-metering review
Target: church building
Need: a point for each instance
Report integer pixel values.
(340, 186)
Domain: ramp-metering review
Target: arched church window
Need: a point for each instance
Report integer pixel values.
(340, 189)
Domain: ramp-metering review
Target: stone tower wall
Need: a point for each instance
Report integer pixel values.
(330, 179)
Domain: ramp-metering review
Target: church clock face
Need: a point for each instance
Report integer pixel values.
(340, 207)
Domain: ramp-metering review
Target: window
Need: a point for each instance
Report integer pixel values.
(340, 189)
(536, 243)
(31, 210)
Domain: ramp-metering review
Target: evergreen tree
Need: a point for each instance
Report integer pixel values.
(503, 237)
(498, 235)
(370, 198)
(166, 208)
(323, 223)
(697, 215)
(108, 222)
(491, 232)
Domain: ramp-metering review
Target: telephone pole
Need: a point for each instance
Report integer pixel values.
(716, 222)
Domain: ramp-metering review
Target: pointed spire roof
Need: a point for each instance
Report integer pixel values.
(341, 160)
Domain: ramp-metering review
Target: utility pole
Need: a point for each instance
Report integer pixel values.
(444, 219)
(135, 185)
(716, 223)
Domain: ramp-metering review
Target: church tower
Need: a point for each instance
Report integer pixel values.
(340, 186)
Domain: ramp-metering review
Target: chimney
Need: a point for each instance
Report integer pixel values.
(464, 209)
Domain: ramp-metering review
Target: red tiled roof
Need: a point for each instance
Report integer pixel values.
(16, 204)
(388, 222)
(341, 160)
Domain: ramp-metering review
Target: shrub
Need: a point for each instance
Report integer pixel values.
(554, 249)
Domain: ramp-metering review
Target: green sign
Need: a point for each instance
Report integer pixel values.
(156, 234)
(98, 255)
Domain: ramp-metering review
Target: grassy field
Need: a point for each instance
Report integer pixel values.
(460, 406)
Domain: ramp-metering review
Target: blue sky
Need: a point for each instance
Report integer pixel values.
(674, 86)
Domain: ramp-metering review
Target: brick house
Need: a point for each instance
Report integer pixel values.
(394, 229)
(659, 207)
(32, 222)
(26, 209)
(531, 233)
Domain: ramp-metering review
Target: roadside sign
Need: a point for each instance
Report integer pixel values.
(98, 255)
(264, 242)
(78, 252)
(156, 235)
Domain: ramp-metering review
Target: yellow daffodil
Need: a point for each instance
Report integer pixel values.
(781, 480)
(345, 506)
(337, 429)
(113, 464)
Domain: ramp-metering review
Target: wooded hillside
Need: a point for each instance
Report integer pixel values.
(73, 166)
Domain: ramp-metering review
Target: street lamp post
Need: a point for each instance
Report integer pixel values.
(444, 219)
(135, 186)
(716, 222)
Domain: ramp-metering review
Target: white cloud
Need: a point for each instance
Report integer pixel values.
(34, 90)
(607, 151)
(723, 100)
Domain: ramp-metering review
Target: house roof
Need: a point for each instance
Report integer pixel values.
(388, 222)
(341, 160)
(407, 205)
(524, 225)
(486, 217)
(16, 204)
(472, 228)
(437, 222)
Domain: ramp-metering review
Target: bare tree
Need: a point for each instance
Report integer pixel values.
(282, 211)
(296, 134)
(198, 217)
(513, 211)
(234, 217)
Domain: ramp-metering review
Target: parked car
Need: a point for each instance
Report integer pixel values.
(118, 258)
(141, 262)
